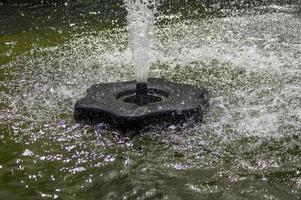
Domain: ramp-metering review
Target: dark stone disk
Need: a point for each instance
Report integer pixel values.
(114, 104)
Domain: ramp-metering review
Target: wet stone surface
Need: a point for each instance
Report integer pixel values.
(180, 103)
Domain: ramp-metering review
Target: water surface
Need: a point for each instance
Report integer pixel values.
(248, 146)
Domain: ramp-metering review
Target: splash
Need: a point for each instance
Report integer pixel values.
(248, 145)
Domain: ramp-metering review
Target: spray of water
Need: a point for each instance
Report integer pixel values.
(140, 20)
(247, 148)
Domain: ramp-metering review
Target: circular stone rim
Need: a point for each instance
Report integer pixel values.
(153, 94)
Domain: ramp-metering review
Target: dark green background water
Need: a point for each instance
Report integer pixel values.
(248, 147)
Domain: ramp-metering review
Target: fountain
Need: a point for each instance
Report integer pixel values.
(247, 55)
(133, 105)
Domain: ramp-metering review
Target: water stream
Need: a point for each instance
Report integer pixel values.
(141, 35)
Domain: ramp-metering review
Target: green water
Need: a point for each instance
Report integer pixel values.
(248, 147)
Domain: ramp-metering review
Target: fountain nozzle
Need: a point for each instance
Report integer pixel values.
(141, 94)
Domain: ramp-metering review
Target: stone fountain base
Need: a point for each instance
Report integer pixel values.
(114, 104)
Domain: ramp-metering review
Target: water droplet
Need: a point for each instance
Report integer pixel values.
(27, 152)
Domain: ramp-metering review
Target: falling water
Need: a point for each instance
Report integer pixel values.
(140, 20)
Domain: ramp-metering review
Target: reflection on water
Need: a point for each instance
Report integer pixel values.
(248, 146)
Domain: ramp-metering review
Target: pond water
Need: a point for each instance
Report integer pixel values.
(248, 147)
